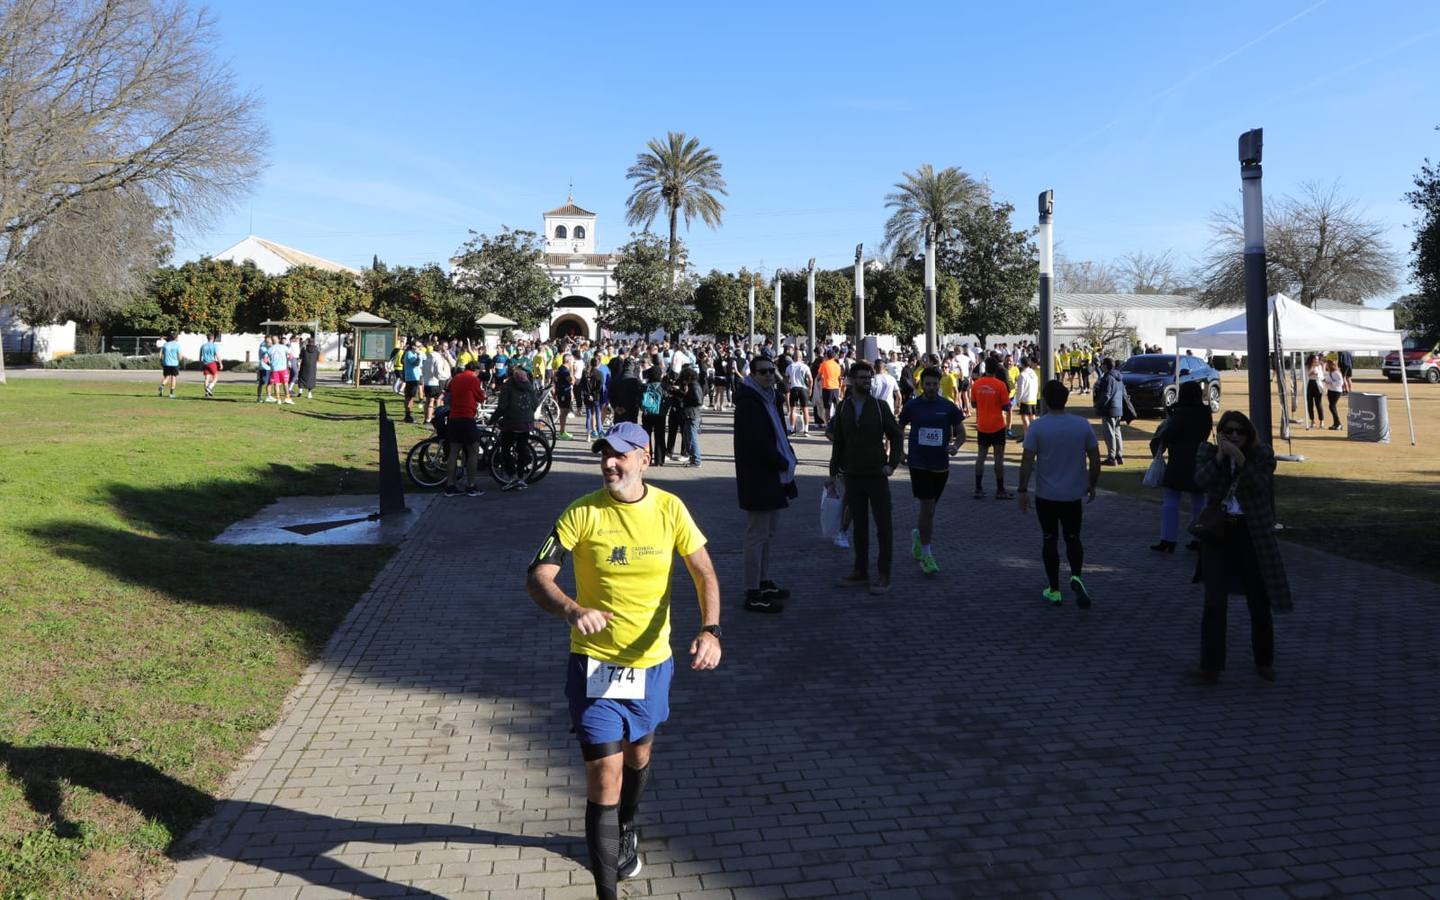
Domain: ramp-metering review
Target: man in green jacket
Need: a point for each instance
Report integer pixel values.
(859, 433)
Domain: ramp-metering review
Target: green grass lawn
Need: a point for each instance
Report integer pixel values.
(123, 631)
(1372, 502)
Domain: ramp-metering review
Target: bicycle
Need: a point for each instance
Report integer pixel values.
(505, 465)
(426, 461)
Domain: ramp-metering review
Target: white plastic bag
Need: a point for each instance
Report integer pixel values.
(831, 508)
(1155, 475)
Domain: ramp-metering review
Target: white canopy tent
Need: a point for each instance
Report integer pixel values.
(1297, 327)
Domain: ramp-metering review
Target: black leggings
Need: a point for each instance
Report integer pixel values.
(655, 428)
(1334, 397)
(1056, 517)
(1314, 402)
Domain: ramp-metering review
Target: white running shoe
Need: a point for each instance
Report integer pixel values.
(271, 400)
(842, 540)
(289, 401)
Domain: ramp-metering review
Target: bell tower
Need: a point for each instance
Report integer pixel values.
(570, 229)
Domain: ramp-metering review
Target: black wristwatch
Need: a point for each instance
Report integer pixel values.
(713, 629)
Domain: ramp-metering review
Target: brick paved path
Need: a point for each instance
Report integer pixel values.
(955, 738)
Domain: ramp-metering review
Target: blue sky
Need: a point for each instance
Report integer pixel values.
(397, 127)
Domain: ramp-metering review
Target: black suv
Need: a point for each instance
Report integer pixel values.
(1150, 380)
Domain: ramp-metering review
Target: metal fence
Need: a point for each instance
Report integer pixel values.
(18, 341)
(130, 344)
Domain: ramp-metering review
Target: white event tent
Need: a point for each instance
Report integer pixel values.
(1299, 328)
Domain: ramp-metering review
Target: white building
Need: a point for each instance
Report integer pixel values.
(272, 259)
(277, 259)
(41, 343)
(582, 274)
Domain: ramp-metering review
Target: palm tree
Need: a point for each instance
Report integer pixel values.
(679, 176)
(926, 197)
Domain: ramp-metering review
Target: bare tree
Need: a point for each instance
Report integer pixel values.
(115, 120)
(1149, 273)
(1101, 328)
(1083, 277)
(1317, 245)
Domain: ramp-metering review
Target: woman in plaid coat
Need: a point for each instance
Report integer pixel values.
(1238, 476)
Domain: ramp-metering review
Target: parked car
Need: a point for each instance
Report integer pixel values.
(1150, 380)
(1419, 363)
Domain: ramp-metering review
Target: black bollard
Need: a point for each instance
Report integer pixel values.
(392, 489)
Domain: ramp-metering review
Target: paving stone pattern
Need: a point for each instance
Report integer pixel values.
(955, 738)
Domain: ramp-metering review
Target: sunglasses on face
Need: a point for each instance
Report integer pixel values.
(1233, 432)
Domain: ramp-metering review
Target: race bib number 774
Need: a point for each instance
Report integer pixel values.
(612, 682)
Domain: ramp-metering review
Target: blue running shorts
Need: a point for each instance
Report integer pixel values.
(605, 721)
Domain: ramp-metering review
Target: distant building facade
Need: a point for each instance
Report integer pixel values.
(582, 274)
(277, 259)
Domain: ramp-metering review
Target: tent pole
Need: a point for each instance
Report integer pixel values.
(1279, 356)
(1405, 380)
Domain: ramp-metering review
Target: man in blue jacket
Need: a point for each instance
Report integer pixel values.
(764, 479)
(1110, 406)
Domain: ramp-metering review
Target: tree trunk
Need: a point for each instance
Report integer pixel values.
(674, 226)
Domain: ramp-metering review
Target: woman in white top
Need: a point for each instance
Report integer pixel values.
(1334, 388)
(1314, 392)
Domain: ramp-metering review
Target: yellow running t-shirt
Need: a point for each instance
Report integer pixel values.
(623, 554)
(950, 386)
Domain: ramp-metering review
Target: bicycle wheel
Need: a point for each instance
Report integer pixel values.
(540, 457)
(488, 441)
(547, 431)
(425, 463)
(550, 407)
(505, 465)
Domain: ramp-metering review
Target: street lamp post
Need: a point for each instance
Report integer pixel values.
(1257, 318)
(777, 313)
(859, 294)
(810, 305)
(930, 336)
(750, 335)
(1047, 278)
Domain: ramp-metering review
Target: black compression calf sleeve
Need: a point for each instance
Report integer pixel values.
(602, 840)
(631, 787)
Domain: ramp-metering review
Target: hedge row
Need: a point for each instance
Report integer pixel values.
(120, 361)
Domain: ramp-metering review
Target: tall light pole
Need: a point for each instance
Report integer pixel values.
(859, 294)
(750, 335)
(1257, 313)
(1047, 278)
(777, 312)
(930, 336)
(810, 304)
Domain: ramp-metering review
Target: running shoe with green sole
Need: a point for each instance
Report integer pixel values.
(1082, 596)
(916, 548)
(928, 565)
(1054, 597)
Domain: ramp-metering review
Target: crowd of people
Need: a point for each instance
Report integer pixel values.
(286, 366)
(898, 410)
(622, 538)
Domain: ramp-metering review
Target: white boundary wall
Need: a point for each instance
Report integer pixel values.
(49, 340)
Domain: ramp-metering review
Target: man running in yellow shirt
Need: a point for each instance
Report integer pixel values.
(622, 539)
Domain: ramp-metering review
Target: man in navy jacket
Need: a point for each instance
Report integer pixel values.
(764, 478)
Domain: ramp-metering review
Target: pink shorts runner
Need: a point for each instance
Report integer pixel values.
(280, 376)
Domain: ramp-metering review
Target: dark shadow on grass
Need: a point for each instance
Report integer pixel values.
(45, 772)
(330, 417)
(204, 509)
(207, 574)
